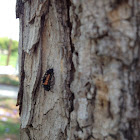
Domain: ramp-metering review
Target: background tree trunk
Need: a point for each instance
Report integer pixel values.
(9, 52)
(93, 47)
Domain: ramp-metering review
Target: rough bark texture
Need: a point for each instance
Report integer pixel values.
(94, 48)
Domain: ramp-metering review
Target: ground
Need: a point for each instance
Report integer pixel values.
(9, 118)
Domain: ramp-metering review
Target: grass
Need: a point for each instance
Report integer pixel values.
(9, 80)
(9, 119)
(9, 127)
(12, 61)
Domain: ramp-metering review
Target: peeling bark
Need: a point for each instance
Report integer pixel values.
(93, 48)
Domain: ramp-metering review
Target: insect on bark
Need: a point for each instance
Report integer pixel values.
(47, 79)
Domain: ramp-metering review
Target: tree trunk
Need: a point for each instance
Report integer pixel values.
(93, 48)
(9, 52)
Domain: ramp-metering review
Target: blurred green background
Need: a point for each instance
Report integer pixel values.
(8, 51)
(9, 118)
(9, 57)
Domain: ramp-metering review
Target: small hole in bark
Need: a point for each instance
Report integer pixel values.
(116, 3)
(88, 86)
(76, 53)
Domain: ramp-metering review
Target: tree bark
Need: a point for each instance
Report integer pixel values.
(94, 49)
